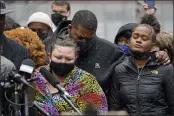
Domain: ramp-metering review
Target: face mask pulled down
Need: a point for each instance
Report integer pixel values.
(61, 69)
(141, 56)
(57, 18)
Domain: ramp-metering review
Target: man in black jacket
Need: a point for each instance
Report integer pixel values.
(97, 56)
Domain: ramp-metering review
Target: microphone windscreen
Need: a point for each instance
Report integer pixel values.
(27, 66)
(48, 76)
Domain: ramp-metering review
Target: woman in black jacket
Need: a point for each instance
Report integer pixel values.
(140, 85)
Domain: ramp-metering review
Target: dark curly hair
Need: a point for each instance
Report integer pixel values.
(152, 21)
(30, 41)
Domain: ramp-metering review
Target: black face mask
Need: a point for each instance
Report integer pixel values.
(57, 18)
(61, 69)
(85, 46)
(42, 36)
(141, 56)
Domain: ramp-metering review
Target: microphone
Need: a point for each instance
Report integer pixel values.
(27, 66)
(19, 79)
(35, 104)
(26, 70)
(8, 72)
(53, 81)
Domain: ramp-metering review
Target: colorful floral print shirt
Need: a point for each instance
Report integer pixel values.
(82, 87)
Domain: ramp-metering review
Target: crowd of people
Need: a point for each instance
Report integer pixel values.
(133, 75)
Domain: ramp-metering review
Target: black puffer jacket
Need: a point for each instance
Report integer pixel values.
(143, 92)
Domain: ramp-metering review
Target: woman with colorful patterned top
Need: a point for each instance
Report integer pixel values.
(82, 86)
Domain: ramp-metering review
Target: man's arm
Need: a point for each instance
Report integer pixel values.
(114, 96)
(162, 57)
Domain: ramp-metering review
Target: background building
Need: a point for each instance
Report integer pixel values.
(111, 14)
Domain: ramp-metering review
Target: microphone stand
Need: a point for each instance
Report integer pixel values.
(25, 93)
(26, 107)
(16, 96)
(70, 103)
(41, 110)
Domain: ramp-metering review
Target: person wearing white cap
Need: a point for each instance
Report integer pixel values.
(41, 23)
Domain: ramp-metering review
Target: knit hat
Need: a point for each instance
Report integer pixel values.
(40, 17)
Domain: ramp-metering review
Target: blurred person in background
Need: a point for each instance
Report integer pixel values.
(81, 85)
(139, 85)
(164, 41)
(148, 10)
(142, 8)
(31, 42)
(10, 24)
(123, 37)
(61, 11)
(42, 24)
(152, 21)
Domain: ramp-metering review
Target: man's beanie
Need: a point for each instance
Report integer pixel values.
(40, 17)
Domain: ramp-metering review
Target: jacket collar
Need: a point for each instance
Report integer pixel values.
(130, 63)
